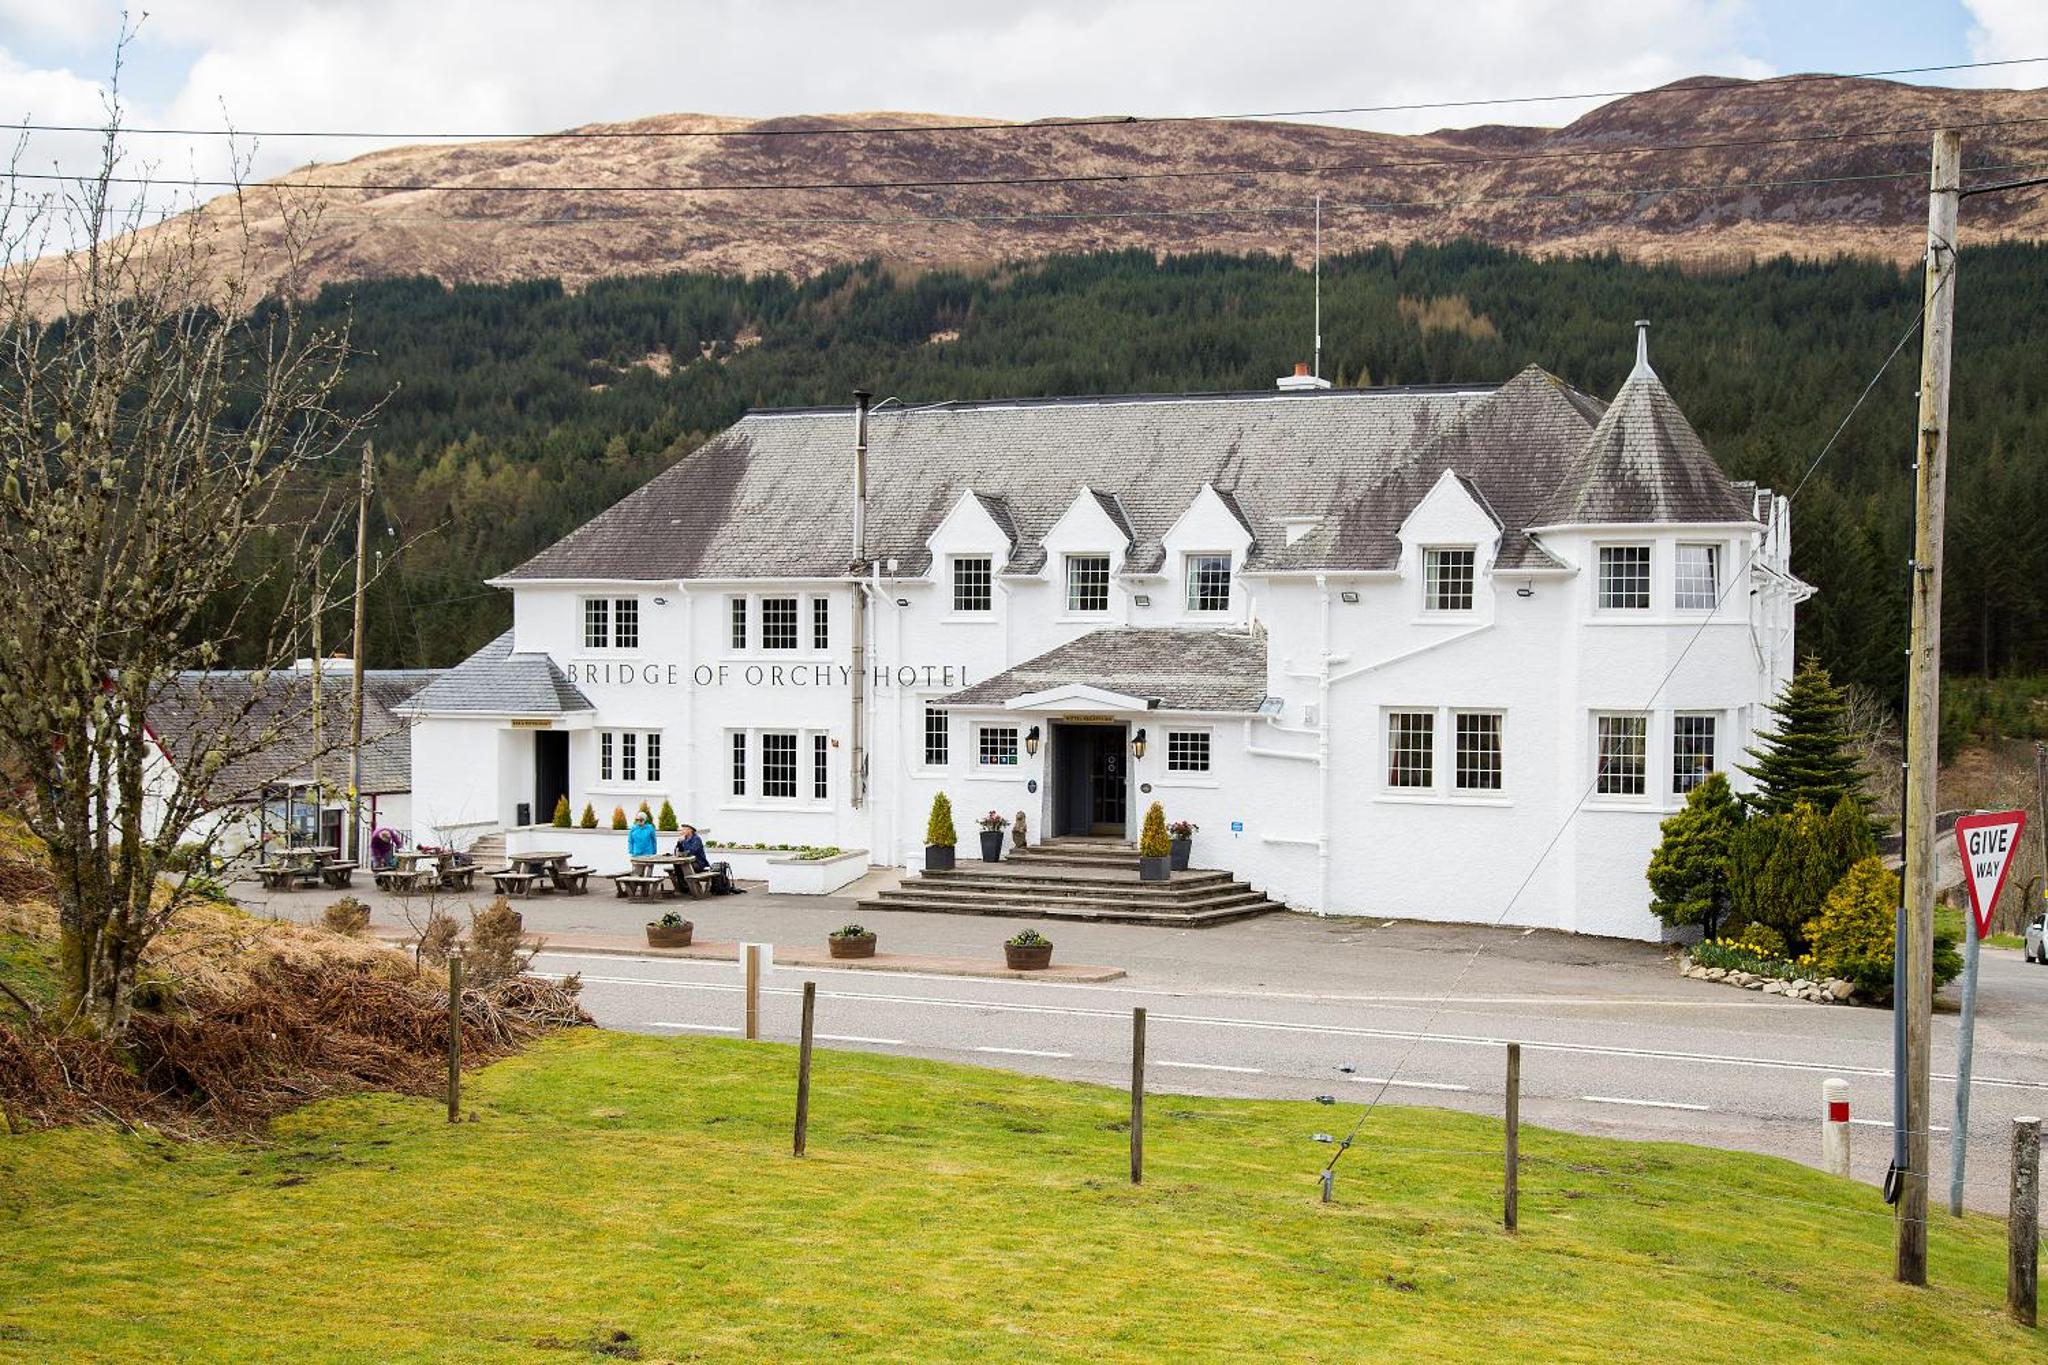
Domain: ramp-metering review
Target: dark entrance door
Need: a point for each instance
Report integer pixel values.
(550, 772)
(1092, 770)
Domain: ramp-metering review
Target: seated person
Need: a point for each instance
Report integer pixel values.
(640, 840)
(692, 847)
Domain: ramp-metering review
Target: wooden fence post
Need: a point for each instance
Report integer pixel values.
(1138, 1096)
(2023, 1222)
(803, 1067)
(1512, 1193)
(753, 952)
(454, 1035)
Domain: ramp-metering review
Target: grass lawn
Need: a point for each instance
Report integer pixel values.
(613, 1184)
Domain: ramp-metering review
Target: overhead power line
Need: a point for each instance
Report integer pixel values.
(1028, 125)
(1577, 154)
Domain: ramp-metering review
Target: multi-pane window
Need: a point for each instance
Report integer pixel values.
(1447, 580)
(611, 623)
(938, 735)
(973, 584)
(996, 746)
(1208, 582)
(778, 623)
(778, 764)
(628, 755)
(821, 623)
(1623, 755)
(1478, 751)
(1411, 748)
(738, 609)
(739, 763)
(1692, 751)
(1087, 583)
(821, 766)
(1698, 577)
(1187, 751)
(1625, 577)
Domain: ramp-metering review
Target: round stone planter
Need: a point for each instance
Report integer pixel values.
(991, 845)
(1027, 959)
(864, 946)
(1181, 849)
(938, 857)
(669, 935)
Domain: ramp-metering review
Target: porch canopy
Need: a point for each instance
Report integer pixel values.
(1134, 669)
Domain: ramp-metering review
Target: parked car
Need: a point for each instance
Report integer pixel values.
(2037, 939)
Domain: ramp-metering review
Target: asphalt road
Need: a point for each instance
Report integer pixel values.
(1709, 1065)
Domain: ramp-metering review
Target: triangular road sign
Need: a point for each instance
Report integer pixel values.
(1988, 842)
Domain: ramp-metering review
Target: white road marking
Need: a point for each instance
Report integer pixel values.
(700, 1028)
(1886, 1123)
(856, 1038)
(1412, 1085)
(1645, 1104)
(1023, 1052)
(1214, 1066)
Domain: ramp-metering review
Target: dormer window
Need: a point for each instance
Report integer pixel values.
(1208, 582)
(1088, 583)
(973, 584)
(1447, 578)
(1624, 578)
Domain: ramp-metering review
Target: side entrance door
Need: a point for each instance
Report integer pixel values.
(550, 772)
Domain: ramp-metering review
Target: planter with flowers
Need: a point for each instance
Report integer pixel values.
(1181, 836)
(851, 940)
(670, 931)
(992, 827)
(1029, 951)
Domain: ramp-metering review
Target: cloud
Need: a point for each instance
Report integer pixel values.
(2004, 29)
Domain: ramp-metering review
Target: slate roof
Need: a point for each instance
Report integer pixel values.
(268, 727)
(752, 502)
(497, 682)
(1177, 670)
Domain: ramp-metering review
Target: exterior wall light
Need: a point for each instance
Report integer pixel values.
(1142, 599)
(1031, 742)
(1138, 745)
(1349, 595)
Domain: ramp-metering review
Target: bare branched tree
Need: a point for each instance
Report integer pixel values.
(159, 426)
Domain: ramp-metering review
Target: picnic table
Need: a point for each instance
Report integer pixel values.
(540, 870)
(304, 864)
(681, 871)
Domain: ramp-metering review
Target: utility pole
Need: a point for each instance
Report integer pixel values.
(2041, 805)
(355, 738)
(319, 686)
(1915, 985)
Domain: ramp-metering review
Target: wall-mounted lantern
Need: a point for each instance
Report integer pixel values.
(1138, 745)
(1031, 742)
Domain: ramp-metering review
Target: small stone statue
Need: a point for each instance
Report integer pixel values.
(1017, 831)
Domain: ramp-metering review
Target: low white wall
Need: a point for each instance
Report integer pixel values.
(796, 876)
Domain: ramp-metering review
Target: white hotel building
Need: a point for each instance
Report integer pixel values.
(1448, 652)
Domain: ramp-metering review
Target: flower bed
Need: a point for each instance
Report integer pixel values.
(1751, 966)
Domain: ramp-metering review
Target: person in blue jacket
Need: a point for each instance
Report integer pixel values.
(640, 840)
(691, 846)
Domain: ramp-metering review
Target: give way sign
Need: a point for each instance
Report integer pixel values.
(1988, 842)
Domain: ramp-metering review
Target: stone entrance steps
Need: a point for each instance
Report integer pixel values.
(1105, 892)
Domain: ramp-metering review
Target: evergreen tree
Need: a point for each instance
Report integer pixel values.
(666, 820)
(939, 831)
(1807, 757)
(589, 817)
(1782, 867)
(1152, 840)
(1688, 873)
(561, 812)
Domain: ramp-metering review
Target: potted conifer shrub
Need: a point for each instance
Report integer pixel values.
(992, 827)
(1181, 833)
(851, 940)
(561, 812)
(940, 836)
(670, 931)
(1029, 951)
(1155, 850)
(588, 820)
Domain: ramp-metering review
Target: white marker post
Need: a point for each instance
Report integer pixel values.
(1834, 1126)
(1987, 843)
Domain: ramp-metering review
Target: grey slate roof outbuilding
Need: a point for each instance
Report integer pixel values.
(767, 498)
(494, 681)
(1175, 670)
(268, 727)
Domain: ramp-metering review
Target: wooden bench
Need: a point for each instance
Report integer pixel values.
(512, 882)
(632, 885)
(406, 880)
(574, 880)
(697, 884)
(278, 876)
(337, 875)
(459, 878)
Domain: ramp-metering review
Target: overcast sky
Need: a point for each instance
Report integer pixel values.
(418, 66)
